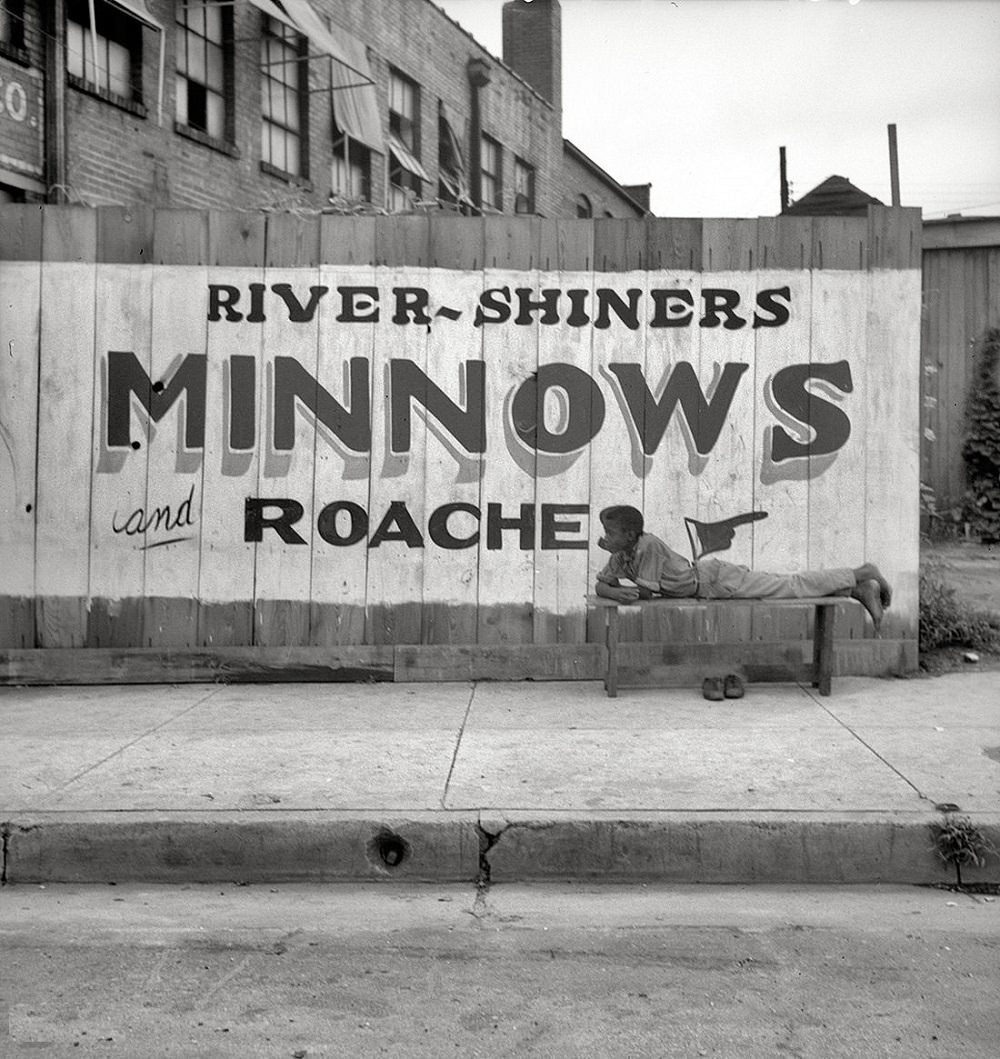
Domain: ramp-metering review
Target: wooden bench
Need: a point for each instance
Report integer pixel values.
(819, 672)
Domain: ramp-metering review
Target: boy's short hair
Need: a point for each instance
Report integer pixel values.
(624, 517)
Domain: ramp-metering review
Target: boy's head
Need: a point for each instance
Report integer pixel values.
(622, 527)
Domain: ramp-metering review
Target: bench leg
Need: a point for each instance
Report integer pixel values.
(611, 680)
(823, 649)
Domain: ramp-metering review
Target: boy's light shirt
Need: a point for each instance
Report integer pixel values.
(653, 565)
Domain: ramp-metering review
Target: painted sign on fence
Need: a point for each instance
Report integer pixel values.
(405, 454)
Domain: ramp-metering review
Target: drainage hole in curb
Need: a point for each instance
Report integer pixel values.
(388, 850)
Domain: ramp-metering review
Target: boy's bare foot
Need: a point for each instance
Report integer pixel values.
(870, 572)
(868, 594)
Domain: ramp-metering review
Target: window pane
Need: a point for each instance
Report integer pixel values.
(196, 58)
(74, 49)
(291, 109)
(213, 23)
(119, 69)
(182, 100)
(214, 72)
(216, 116)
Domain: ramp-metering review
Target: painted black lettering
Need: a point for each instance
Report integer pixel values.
(126, 376)
(441, 535)
(405, 530)
(524, 523)
(553, 525)
(292, 381)
(651, 417)
(466, 425)
(326, 523)
(715, 302)
(780, 310)
(627, 312)
(411, 305)
(585, 409)
(255, 521)
(830, 425)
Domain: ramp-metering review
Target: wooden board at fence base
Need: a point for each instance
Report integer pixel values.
(411, 663)
(398, 432)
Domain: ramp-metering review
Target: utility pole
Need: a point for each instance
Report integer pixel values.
(893, 165)
(784, 178)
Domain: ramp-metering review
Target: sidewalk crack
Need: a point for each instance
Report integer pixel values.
(888, 764)
(458, 743)
(130, 743)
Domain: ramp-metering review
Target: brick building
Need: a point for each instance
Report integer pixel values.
(353, 105)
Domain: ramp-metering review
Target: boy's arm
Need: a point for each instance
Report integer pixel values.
(617, 591)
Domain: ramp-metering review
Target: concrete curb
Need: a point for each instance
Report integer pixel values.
(241, 847)
(445, 846)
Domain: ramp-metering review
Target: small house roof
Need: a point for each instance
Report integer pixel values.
(835, 197)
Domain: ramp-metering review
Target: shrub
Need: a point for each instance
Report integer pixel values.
(945, 621)
(981, 450)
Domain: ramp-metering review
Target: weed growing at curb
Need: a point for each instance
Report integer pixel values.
(959, 842)
(945, 621)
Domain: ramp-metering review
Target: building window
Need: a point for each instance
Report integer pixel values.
(583, 207)
(283, 77)
(404, 111)
(524, 187)
(204, 69)
(491, 164)
(117, 46)
(352, 167)
(12, 29)
(405, 171)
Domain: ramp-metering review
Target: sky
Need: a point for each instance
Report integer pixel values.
(697, 97)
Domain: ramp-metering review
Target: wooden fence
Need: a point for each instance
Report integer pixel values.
(259, 446)
(961, 302)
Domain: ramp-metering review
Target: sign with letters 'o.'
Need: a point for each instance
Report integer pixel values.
(411, 454)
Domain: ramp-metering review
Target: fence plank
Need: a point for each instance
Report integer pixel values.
(563, 476)
(342, 474)
(19, 338)
(510, 354)
(20, 232)
(395, 569)
(674, 243)
(283, 569)
(892, 482)
(118, 486)
(451, 472)
(65, 441)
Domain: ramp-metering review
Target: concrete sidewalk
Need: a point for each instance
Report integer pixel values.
(489, 781)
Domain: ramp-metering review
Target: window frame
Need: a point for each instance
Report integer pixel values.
(521, 167)
(275, 33)
(406, 127)
(12, 46)
(351, 158)
(490, 146)
(226, 137)
(120, 29)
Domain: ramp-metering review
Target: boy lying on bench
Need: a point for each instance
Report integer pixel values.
(657, 570)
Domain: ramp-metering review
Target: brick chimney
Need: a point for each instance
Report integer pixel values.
(532, 45)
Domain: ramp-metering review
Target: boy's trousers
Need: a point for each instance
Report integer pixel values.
(721, 580)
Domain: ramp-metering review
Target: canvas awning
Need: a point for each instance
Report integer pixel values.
(355, 105)
(405, 158)
(352, 87)
(452, 172)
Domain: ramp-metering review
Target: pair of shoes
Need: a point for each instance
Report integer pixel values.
(711, 689)
(715, 689)
(732, 687)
